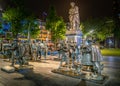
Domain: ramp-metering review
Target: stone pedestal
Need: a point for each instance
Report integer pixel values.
(17, 67)
(8, 69)
(11, 69)
(74, 36)
(86, 76)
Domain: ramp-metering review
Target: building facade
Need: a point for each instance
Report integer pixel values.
(44, 35)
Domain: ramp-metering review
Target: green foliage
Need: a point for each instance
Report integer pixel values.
(102, 28)
(14, 15)
(17, 3)
(116, 30)
(32, 26)
(0, 25)
(1, 31)
(56, 25)
(59, 30)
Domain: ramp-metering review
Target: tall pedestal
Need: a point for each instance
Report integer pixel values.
(74, 36)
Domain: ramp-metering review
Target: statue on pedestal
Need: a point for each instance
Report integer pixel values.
(74, 33)
(74, 16)
(82, 57)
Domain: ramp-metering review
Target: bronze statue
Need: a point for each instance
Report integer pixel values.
(74, 16)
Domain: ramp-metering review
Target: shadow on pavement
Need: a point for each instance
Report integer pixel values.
(82, 83)
(38, 79)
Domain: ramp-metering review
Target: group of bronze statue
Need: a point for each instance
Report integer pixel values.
(21, 52)
(76, 57)
(80, 57)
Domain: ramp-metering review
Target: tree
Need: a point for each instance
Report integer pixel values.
(0, 25)
(14, 15)
(17, 15)
(55, 25)
(116, 12)
(102, 28)
(31, 27)
(1, 28)
(59, 30)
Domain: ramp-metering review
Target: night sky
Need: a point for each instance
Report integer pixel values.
(87, 8)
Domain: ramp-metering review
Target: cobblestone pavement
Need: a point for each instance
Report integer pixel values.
(41, 75)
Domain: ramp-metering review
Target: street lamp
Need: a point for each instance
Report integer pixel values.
(110, 21)
(91, 31)
(88, 33)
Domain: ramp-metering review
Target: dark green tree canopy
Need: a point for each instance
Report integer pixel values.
(15, 15)
(55, 25)
(101, 27)
(32, 25)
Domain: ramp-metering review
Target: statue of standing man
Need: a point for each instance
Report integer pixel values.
(74, 16)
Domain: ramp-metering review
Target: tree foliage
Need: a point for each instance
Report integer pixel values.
(14, 15)
(55, 25)
(0, 25)
(31, 25)
(102, 28)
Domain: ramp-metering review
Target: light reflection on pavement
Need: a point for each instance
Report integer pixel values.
(112, 69)
(43, 69)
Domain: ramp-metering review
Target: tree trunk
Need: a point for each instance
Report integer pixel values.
(116, 43)
(105, 44)
(119, 43)
(56, 42)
